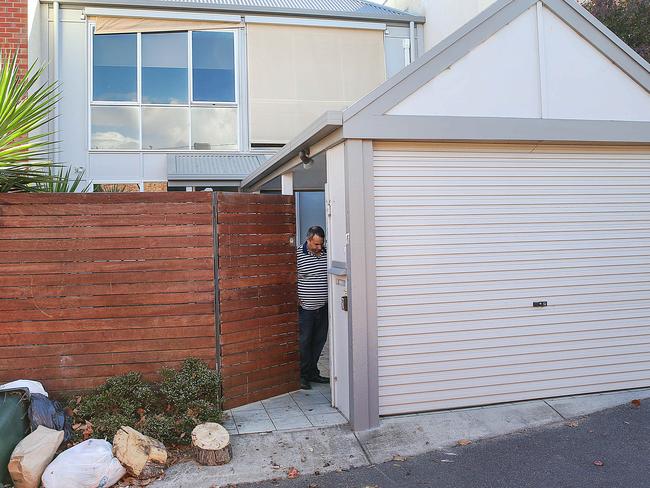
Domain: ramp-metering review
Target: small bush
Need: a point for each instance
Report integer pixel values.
(167, 410)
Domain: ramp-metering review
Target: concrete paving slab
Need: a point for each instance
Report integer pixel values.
(291, 423)
(261, 457)
(309, 398)
(229, 423)
(326, 419)
(279, 401)
(412, 435)
(318, 408)
(576, 406)
(252, 421)
(257, 406)
(289, 418)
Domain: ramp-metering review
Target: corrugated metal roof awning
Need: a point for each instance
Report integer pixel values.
(354, 9)
(212, 168)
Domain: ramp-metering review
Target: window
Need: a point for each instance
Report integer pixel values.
(115, 68)
(164, 91)
(164, 68)
(213, 67)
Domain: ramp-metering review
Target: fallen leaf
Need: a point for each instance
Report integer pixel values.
(598, 462)
(572, 423)
(293, 473)
(464, 442)
(88, 431)
(399, 458)
(636, 403)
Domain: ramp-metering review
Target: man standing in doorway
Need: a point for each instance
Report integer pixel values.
(312, 295)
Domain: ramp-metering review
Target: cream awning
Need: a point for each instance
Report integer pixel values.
(122, 25)
(298, 72)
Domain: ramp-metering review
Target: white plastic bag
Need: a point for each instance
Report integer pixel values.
(32, 386)
(32, 455)
(87, 465)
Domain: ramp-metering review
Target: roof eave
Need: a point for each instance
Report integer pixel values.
(321, 127)
(151, 4)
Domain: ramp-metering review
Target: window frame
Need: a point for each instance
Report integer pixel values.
(236, 104)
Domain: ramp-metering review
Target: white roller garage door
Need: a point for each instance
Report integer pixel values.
(469, 237)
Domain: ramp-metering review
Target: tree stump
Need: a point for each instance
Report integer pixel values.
(211, 444)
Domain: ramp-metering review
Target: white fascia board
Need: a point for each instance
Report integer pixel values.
(158, 14)
(260, 19)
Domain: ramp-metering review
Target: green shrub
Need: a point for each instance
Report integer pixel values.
(167, 410)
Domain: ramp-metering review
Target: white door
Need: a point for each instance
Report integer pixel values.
(510, 272)
(336, 252)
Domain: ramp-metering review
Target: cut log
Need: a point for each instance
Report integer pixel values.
(141, 455)
(211, 444)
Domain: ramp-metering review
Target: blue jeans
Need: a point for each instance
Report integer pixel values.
(313, 335)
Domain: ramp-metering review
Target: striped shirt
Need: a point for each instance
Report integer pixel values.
(312, 278)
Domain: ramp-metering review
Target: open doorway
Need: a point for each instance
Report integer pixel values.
(319, 188)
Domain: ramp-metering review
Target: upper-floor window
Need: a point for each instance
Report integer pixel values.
(164, 91)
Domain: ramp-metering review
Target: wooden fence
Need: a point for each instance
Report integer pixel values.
(257, 296)
(96, 285)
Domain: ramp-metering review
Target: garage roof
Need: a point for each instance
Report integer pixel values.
(420, 103)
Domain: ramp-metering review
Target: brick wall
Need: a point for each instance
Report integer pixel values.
(13, 28)
(257, 296)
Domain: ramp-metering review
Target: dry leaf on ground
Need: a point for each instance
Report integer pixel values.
(464, 442)
(636, 403)
(293, 473)
(397, 457)
(572, 423)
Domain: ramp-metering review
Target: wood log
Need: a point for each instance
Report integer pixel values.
(143, 457)
(211, 444)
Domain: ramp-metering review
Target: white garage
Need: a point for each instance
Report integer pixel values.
(496, 199)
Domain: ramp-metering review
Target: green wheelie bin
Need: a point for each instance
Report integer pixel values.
(14, 426)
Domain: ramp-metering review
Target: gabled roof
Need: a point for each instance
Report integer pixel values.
(481, 28)
(368, 118)
(356, 9)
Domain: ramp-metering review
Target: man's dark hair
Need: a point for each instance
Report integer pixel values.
(315, 230)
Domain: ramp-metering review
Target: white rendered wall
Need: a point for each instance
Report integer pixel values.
(73, 75)
(584, 84)
(34, 34)
(443, 16)
(500, 78)
(115, 167)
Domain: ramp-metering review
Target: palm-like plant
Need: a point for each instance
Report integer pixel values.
(62, 181)
(25, 110)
